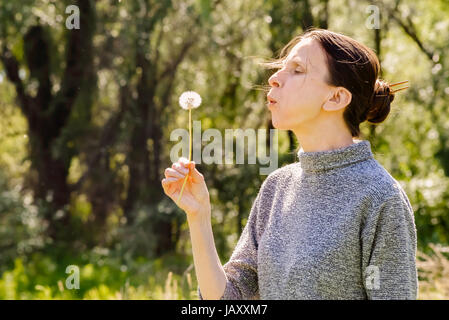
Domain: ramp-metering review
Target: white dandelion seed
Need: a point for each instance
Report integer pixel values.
(189, 100)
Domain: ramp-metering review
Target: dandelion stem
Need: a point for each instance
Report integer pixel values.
(190, 153)
(190, 134)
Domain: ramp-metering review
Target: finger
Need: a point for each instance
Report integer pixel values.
(182, 170)
(195, 174)
(184, 162)
(197, 177)
(191, 165)
(166, 183)
(173, 173)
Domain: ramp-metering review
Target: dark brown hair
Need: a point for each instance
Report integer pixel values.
(354, 66)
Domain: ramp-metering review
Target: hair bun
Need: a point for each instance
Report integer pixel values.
(380, 103)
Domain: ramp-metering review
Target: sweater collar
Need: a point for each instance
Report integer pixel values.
(360, 150)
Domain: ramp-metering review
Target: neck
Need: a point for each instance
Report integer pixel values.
(313, 162)
(328, 135)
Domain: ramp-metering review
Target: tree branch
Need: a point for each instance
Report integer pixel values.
(78, 61)
(410, 30)
(170, 68)
(12, 72)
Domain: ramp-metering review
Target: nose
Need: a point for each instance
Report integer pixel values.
(274, 80)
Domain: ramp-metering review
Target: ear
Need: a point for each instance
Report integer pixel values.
(339, 98)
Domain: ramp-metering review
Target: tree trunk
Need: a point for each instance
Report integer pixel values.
(48, 114)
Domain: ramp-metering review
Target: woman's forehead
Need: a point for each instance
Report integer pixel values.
(309, 51)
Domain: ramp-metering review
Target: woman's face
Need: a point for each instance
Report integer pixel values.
(299, 88)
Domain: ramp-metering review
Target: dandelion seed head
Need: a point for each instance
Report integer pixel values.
(189, 100)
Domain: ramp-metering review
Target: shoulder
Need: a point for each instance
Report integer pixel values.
(387, 194)
(371, 179)
(381, 183)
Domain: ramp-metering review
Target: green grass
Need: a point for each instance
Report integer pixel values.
(42, 276)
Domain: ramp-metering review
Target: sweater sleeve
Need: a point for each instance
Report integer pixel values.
(389, 251)
(241, 269)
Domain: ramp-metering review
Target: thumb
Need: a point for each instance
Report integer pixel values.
(194, 173)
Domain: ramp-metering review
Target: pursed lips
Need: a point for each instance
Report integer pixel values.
(271, 101)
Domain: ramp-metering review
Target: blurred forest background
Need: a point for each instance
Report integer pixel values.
(86, 116)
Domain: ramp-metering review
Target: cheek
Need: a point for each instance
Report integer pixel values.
(302, 97)
(306, 95)
(301, 106)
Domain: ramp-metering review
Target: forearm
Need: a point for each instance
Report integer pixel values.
(209, 271)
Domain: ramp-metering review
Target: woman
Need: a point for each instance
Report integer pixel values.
(335, 224)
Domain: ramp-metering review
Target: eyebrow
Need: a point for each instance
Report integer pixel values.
(297, 60)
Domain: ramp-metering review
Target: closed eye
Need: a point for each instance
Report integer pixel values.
(298, 68)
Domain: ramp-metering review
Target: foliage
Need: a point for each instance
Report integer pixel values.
(41, 276)
(142, 54)
(434, 273)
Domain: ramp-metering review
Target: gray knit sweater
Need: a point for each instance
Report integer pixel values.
(334, 225)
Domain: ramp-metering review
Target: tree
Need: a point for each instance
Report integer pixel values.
(48, 112)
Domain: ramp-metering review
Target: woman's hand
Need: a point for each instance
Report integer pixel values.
(195, 200)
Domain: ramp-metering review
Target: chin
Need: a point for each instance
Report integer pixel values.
(278, 126)
(274, 123)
